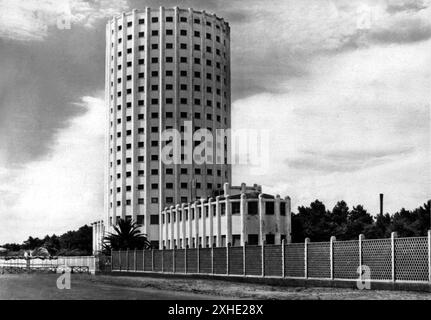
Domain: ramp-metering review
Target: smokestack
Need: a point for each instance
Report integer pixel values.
(381, 203)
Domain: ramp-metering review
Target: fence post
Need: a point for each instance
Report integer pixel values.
(119, 258)
(173, 260)
(185, 259)
(393, 236)
(283, 254)
(429, 255)
(361, 237)
(111, 261)
(212, 259)
(244, 270)
(227, 258)
(163, 260)
(198, 262)
(134, 260)
(152, 259)
(307, 240)
(143, 260)
(127, 259)
(331, 252)
(263, 258)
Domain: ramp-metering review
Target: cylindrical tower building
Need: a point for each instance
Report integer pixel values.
(163, 67)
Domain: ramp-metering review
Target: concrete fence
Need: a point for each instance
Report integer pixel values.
(76, 263)
(377, 260)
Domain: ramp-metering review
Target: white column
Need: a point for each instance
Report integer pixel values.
(99, 236)
(204, 221)
(211, 217)
(278, 226)
(262, 209)
(173, 213)
(288, 220)
(93, 225)
(218, 218)
(183, 225)
(228, 222)
(244, 213)
(190, 225)
(161, 214)
(196, 209)
(177, 224)
(167, 218)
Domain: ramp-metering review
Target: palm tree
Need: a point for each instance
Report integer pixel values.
(127, 236)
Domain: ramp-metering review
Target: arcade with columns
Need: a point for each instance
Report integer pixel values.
(240, 216)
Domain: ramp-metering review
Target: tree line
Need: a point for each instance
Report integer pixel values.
(319, 224)
(71, 243)
(313, 221)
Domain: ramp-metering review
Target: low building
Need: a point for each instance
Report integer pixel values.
(241, 215)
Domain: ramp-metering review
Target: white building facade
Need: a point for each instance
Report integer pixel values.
(240, 216)
(164, 67)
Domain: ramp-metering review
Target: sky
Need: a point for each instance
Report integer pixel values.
(343, 87)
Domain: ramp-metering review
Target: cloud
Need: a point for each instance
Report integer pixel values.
(347, 161)
(62, 191)
(395, 6)
(357, 125)
(39, 83)
(31, 19)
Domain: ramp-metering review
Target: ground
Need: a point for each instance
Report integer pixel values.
(43, 286)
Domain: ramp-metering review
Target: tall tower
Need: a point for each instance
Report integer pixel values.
(163, 67)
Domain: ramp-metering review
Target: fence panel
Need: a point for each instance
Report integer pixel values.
(236, 261)
(205, 260)
(220, 260)
(294, 260)
(148, 260)
(140, 260)
(376, 254)
(411, 259)
(158, 260)
(346, 259)
(115, 260)
(192, 260)
(319, 261)
(168, 261)
(180, 261)
(123, 260)
(273, 261)
(253, 260)
(131, 260)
